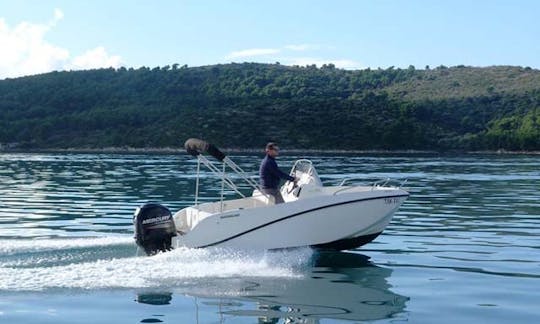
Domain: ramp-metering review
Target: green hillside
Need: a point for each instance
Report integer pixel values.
(245, 105)
(467, 82)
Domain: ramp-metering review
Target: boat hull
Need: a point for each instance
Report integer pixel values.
(347, 244)
(337, 222)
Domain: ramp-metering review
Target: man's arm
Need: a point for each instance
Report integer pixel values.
(277, 172)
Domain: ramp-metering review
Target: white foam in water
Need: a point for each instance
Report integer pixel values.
(40, 245)
(175, 268)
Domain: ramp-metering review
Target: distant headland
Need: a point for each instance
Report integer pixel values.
(242, 106)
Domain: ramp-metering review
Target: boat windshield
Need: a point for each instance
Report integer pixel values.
(305, 171)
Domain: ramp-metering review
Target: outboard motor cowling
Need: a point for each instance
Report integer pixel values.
(154, 228)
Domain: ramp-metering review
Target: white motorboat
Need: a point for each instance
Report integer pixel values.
(338, 217)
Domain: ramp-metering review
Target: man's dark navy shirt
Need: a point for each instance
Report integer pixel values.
(270, 174)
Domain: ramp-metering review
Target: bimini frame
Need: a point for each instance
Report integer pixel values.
(197, 147)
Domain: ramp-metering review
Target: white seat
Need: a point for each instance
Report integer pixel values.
(265, 199)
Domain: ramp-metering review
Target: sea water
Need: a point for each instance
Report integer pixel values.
(465, 246)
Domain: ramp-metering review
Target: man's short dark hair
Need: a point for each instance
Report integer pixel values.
(271, 146)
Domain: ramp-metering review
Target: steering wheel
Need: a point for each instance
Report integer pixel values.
(291, 185)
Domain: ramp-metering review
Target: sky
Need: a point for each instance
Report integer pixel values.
(38, 36)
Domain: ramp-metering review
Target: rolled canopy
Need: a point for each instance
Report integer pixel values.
(195, 146)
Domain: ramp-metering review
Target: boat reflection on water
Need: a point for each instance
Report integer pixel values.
(160, 298)
(338, 285)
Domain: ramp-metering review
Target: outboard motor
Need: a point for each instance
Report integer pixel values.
(154, 228)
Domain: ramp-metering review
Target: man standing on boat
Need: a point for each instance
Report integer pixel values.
(270, 174)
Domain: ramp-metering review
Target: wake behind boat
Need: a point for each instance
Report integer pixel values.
(322, 217)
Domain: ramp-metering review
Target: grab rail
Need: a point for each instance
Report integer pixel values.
(348, 179)
(402, 183)
(377, 183)
(341, 190)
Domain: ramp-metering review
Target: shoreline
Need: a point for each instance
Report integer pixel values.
(173, 150)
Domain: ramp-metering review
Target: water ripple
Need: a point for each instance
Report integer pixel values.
(467, 213)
